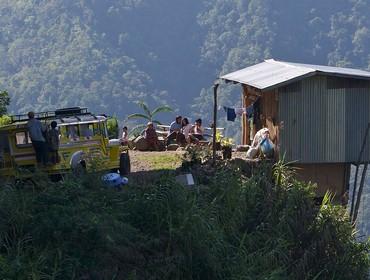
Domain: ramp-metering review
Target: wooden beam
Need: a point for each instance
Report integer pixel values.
(215, 87)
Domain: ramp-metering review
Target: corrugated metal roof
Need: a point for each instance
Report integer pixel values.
(272, 74)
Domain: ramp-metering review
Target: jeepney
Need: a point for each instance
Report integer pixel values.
(84, 143)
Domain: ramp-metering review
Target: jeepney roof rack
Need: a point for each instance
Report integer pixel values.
(57, 114)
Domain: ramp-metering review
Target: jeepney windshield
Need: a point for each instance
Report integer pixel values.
(83, 131)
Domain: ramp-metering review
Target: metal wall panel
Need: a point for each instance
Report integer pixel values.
(357, 119)
(323, 124)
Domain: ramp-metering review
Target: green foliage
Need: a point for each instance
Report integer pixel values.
(195, 155)
(4, 102)
(227, 142)
(148, 115)
(231, 228)
(113, 129)
(4, 120)
(108, 54)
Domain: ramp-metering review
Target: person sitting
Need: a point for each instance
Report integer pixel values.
(124, 137)
(198, 130)
(87, 132)
(262, 137)
(175, 131)
(151, 137)
(186, 130)
(72, 133)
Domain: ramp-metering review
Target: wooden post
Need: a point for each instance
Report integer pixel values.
(215, 87)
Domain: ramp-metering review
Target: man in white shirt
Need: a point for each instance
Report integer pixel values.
(36, 133)
(175, 130)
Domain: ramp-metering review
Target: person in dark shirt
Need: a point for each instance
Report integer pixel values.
(53, 142)
(151, 137)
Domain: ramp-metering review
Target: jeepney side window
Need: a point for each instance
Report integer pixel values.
(99, 129)
(105, 129)
(87, 130)
(63, 133)
(73, 132)
(22, 139)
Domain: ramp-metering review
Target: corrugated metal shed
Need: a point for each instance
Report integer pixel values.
(324, 124)
(271, 74)
(325, 110)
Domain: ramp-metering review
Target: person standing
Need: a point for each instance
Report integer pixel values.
(53, 142)
(36, 133)
(124, 137)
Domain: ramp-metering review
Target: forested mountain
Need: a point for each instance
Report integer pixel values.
(108, 54)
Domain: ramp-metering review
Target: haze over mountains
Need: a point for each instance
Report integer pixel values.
(107, 54)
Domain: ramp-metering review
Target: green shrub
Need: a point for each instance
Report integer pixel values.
(262, 227)
(4, 120)
(113, 129)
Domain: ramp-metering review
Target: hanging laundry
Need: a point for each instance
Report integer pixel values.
(249, 111)
(239, 111)
(230, 113)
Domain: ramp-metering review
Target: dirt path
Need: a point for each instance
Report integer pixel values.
(147, 161)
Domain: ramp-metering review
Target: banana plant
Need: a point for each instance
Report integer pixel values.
(148, 115)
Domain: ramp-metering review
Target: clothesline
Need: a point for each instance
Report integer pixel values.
(252, 111)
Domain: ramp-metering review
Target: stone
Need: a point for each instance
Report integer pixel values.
(172, 147)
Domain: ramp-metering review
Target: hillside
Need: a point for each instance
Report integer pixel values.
(108, 54)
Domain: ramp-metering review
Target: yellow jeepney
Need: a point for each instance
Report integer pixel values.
(84, 143)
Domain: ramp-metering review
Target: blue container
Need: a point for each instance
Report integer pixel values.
(114, 180)
(267, 148)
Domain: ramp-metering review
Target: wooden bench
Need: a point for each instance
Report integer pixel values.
(163, 130)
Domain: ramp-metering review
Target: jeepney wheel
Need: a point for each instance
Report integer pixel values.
(124, 164)
(78, 163)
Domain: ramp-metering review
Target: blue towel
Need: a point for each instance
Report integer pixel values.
(230, 112)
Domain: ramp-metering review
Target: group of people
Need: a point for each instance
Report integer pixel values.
(44, 141)
(180, 132)
(185, 133)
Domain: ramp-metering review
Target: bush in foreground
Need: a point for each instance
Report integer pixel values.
(263, 227)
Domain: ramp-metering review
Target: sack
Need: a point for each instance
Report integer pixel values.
(252, 152)
(267, 148)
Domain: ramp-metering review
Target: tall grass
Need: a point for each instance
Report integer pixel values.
(233, 227)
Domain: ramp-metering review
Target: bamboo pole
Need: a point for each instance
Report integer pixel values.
(215, 87)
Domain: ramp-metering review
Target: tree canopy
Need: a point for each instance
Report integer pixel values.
(106, 55)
